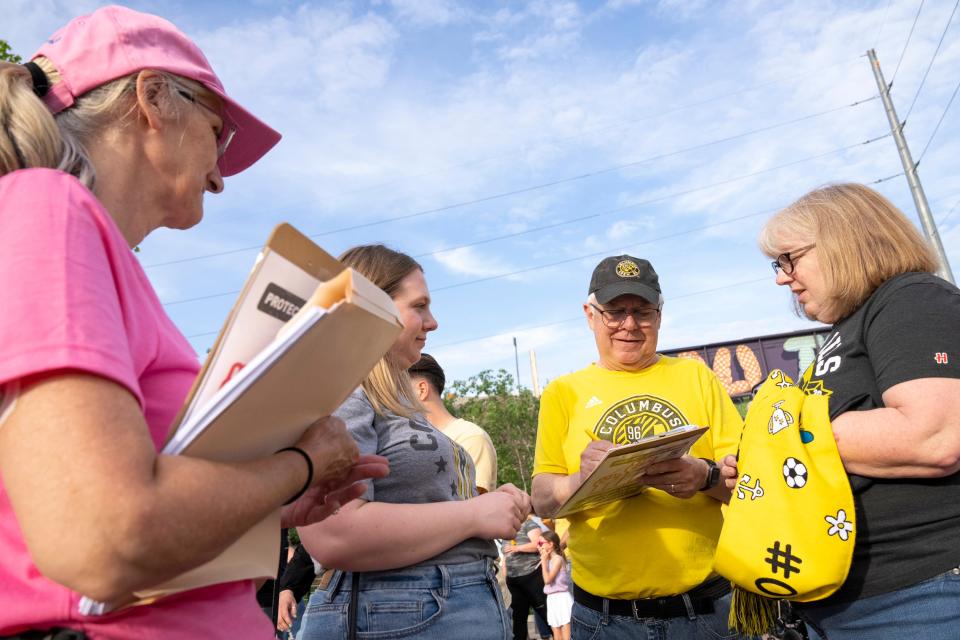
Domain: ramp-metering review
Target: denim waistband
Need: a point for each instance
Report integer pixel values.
(424, 577)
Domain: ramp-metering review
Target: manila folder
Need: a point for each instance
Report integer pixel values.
(312, 380)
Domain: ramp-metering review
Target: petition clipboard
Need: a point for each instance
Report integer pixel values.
(619, 474)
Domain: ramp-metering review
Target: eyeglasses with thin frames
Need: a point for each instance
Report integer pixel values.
(787, 259)
(614, 318)
(227, 131)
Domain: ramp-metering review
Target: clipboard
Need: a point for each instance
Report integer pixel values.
(618, 475)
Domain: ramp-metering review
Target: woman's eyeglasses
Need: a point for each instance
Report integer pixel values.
(786, 261)
(227, 131)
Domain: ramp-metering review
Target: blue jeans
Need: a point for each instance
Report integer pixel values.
(929, 610)
(588, 624)
(460, 601)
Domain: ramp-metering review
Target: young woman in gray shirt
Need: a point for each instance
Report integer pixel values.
(414, 556)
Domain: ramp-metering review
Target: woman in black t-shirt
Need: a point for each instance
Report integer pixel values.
(891, 368)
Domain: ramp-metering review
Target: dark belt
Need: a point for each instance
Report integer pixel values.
(701, 600)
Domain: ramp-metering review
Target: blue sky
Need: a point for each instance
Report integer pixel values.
(578, 129)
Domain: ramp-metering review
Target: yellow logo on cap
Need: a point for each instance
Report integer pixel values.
(628, 269)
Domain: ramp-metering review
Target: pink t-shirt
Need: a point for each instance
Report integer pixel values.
(74, 297)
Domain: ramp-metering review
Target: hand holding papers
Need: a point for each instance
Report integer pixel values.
(619, 473)
(262, 388)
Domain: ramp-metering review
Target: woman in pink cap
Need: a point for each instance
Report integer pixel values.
(117, 127)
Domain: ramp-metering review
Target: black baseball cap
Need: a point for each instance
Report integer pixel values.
(619, 275)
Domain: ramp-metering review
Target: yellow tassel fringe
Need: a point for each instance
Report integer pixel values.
(751, 614)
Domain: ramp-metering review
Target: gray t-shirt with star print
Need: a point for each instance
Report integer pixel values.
(425, 466)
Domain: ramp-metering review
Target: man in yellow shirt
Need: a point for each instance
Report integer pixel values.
(428, 383)
(642, 567)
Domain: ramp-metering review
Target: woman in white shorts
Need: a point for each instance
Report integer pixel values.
(556, 580)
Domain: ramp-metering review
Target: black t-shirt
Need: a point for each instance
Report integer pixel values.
(908, 530)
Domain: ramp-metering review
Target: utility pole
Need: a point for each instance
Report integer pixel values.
(516, 360)
(910, 169)
(534, 377)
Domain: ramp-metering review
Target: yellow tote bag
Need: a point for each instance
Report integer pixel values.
(789, 530)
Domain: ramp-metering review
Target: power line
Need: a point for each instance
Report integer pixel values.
(939, 122)
(672, 195)
(607, 252)
(516, 330)
(896, 175)
(906, 118)
(883, 23)
(555, 322)
(496, 196)
(906, 44)
(672, 235)
(949, 213)
(588, 131)
(686, 295)
(601, 128)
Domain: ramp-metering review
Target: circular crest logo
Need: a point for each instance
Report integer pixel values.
(628, 269)
(638, 417)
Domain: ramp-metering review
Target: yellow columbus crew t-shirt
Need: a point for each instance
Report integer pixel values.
(653, 544)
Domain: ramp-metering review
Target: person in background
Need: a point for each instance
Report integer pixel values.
(556, 584)
(294, 584)
(414, 556)
(524, 578)
(428, 384)
(118, 126)
(266, 590)
(891, 369)
(643, 566)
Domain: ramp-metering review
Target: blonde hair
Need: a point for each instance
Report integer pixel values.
(31, 137)
(862, 240)
(388, 385)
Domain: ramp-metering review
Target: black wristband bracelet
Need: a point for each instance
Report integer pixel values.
(309, 481)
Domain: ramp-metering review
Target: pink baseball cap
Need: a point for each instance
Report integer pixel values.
(113, 42)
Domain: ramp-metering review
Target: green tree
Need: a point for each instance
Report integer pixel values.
(491, 400)
(7, 54)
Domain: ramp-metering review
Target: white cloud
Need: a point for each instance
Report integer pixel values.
(314, 56)
(470, 262)
(429, 13)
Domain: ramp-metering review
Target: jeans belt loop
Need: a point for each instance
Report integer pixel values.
(445, 582)
(633, 605)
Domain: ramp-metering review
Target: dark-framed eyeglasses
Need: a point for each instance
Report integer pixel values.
(227, 130)
(786, 260)
(614, 318)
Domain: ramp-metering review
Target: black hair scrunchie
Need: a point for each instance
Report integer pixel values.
(41, 85)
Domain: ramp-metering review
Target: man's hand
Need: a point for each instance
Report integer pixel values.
(550, 490)
(592, 455)
(681, 477)
(286, 610)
